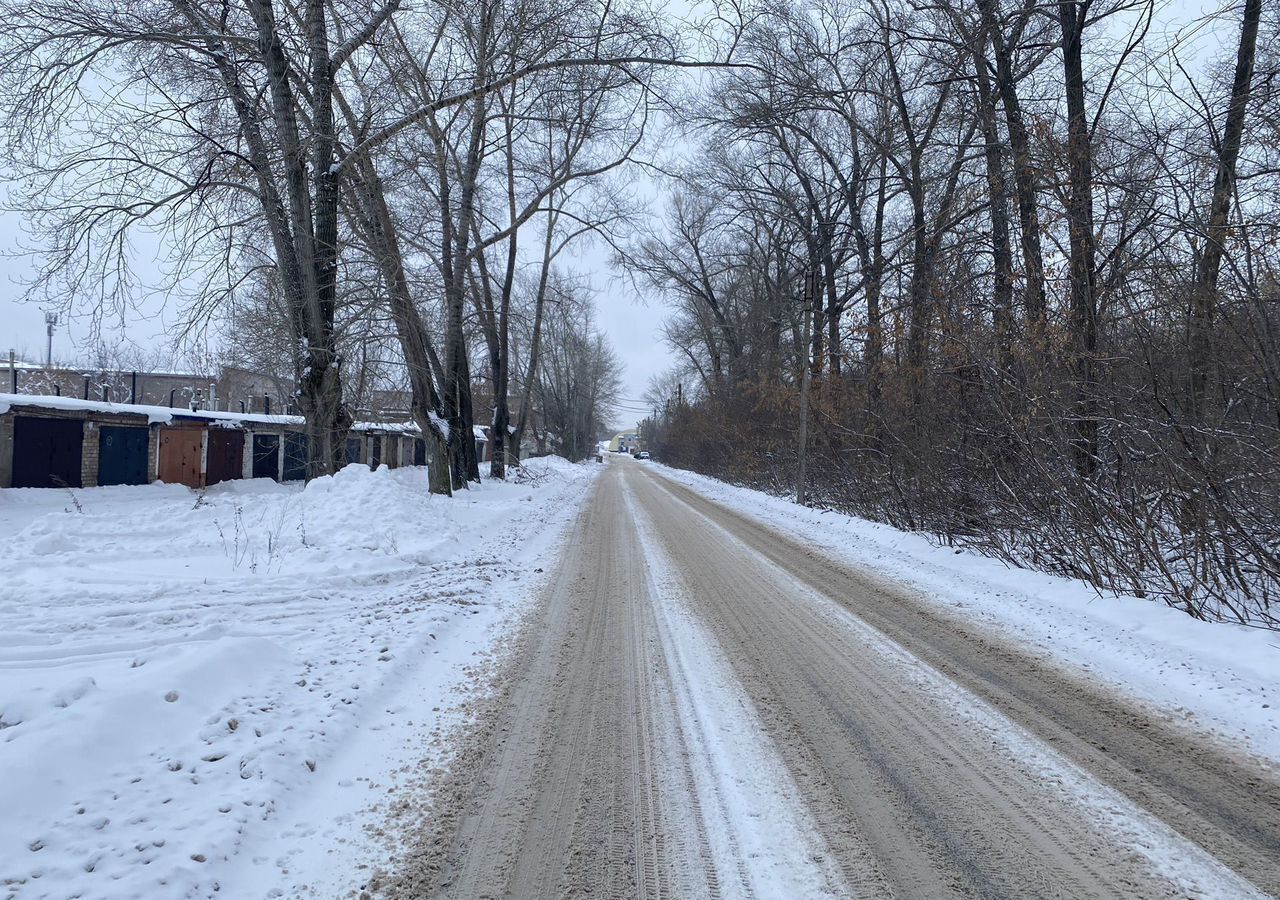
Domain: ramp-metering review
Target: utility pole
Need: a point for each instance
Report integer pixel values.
(809, 293)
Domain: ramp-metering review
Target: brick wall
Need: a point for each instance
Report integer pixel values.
(89, 452)
(6, 451)
(153, 454)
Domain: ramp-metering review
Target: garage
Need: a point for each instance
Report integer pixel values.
(46, 451)
(266, 456)
(180, 455)
(225, 460)
(122, 454)
(295, 456)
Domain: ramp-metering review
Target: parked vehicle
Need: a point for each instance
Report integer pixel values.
(643, 454)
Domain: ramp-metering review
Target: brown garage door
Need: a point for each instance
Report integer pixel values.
(225, 459)
(180, 456)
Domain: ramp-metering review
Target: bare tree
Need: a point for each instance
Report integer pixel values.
(974, 161)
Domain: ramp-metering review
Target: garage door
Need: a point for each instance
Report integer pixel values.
(226, 455)
(353, 450)
(122, 454)
(180, 452)
(295, 456)
(46, 452)
(266, 456)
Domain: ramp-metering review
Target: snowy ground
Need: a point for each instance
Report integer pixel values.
(224, 693)
(209, 691)
(1217, 678)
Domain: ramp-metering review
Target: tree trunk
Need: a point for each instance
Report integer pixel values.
(833, 312)
(871, 260)
(502, 370)
(997, 199)
(456, 394)
(415, 342)
(535, 341)
(1023, 178)
(1083, 274)
(312, 194)
(1204, 295)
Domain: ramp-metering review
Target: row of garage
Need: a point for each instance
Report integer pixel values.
(63, 442)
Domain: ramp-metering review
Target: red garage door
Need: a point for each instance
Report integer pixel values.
(226, 455)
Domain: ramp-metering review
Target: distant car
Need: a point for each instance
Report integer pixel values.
(643, 454)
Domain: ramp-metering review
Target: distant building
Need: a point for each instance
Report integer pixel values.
(229, 389)
(624, 442)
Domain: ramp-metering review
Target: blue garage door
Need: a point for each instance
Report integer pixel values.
(122, 454)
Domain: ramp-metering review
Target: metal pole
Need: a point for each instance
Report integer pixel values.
(13, 372)
(50, 320)
(801, 492)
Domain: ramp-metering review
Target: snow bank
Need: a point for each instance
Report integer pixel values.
(545, 466)
(175, 665)
(1217, 678)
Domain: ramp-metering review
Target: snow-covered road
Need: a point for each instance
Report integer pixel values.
(703, 707)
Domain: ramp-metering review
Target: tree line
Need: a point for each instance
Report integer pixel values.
(1026, 253)
(345, 189)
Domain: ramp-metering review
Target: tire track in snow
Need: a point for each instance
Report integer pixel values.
(1008, 816)
(762, 841)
